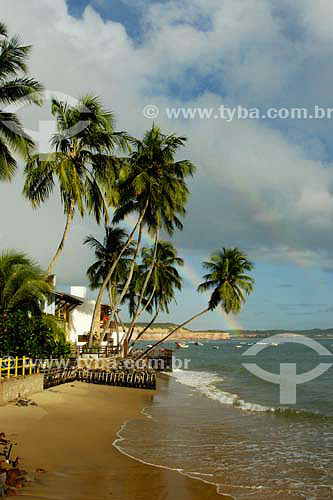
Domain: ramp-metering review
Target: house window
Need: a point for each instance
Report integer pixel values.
(82, 338)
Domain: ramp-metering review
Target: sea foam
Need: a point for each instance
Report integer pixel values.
(205, 382)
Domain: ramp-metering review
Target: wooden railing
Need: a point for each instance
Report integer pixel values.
(142, 379)
(17, 367)
(102, 352)
(58, 376)
(139, 379)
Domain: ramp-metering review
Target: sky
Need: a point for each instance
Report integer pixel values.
(263, 185)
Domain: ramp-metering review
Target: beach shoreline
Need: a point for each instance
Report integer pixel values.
(70, 434)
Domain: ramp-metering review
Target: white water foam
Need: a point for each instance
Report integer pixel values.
(193, 475)
(204, 383)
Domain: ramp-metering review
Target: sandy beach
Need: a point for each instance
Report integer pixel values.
(70, 435)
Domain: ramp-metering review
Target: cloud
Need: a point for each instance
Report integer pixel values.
(257, 185)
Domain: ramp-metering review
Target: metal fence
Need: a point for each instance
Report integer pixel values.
(17, 367)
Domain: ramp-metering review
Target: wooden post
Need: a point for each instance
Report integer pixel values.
(30, 367)
(8, 367)
(23, 366)
(125, 347)
(16, 365)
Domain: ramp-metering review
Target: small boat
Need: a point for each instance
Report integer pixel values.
(198, 343)
(149, 346)
(180, 345)
(238, 346)
(216, 347)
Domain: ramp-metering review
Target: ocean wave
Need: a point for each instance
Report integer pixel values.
(118, 444)
(205, 382)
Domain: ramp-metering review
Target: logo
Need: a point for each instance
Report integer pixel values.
(151, 111)
(7, 362)
(288, 379)
(47, 128)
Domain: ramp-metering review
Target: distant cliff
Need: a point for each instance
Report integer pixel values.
(156, 334)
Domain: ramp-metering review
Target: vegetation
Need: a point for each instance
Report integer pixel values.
(164, 280)
(228, 282)
(24, 329)
(152, 187)
(106, 254)
(36, 337)
(23, 285)
(98, 169)
(83, 163)
(15, 87)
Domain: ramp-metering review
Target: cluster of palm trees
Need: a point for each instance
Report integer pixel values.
(100, 171)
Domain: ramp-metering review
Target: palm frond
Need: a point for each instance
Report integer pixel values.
(227, 279)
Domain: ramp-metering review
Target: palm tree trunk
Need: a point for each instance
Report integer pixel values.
(111, 296)
(117, 332)
(110, 273)
(127, 284)
(120, 322)
(137, 311)
(145, 328)
(70, 215)
(172, 332)
(144, 308)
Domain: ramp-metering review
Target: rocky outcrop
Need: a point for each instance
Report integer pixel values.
(11, 477)
(156, 334)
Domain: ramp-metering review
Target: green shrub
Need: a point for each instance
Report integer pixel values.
(36, 337)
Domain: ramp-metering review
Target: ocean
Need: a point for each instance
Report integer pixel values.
(219, 423)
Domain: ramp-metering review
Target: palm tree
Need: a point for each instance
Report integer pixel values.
(155, 190)
(165, 279)
(82, 164)
(23, 285)
(106, 253)
(227, 279)
(15, 86)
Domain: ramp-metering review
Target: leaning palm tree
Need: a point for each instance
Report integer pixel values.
(230, 284)
(155, 190)
(164, 280)
(15, 86)
(106, 252)
(23, 284)
(83, 163)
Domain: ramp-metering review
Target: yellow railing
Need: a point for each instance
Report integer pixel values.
(17, 367)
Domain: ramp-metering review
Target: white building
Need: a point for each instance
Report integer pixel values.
(76, 312)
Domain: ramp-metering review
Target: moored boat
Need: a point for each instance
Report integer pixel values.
(181, 345)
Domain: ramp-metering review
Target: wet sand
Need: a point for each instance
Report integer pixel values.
(70, 435)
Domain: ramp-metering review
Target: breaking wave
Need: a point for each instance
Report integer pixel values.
(205, 383)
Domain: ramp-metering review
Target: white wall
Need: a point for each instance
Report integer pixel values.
(79, 291)
(80, 320)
